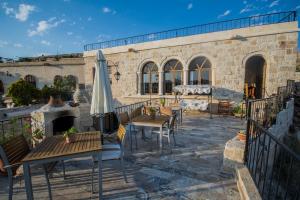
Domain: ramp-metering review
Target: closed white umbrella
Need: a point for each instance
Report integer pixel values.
(102, 97)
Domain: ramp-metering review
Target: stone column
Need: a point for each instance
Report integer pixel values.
(160, 83)
(185, 76)
(139, 83)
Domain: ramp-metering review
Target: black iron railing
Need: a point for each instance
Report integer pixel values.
(258, 20)
(14, 126)
(274, 167)
(264, 111)
(131, 107)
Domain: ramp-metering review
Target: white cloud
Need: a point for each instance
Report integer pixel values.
(274, 3)
(297, 7)
(248, 8)
(44, 25)
(102, 37)
(18, 45)
(3, 43)
(7, 9)
(69, 33)
(44, 42)
(189, 6)
(227, 12)
(89, 18)
(24, 11)
(108, 10)
(244, 2)
(21, 14)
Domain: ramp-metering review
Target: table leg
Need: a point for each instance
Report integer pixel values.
(181, 115)
(100, 174)
(130, 135)
(160, 137)
(27, 179)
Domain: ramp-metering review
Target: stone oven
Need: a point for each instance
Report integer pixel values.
(54, 120)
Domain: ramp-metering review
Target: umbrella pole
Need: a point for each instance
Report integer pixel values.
(101, 128)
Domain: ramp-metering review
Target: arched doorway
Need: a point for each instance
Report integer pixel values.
(255, 75)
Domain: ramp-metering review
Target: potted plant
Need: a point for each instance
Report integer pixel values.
(238, 111)
(152, 112)
(37, 136)
(242, 135)
(69, 135)
(162, 102)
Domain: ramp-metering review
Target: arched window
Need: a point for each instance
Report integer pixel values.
(30, 79)
(150, 78)
(200, 71)
(172, 75)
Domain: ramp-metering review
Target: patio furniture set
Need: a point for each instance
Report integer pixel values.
(16, 154)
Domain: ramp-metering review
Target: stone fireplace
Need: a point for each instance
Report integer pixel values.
(54, 120)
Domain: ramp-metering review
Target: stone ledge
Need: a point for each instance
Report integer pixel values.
(246, 185)
(233, 153)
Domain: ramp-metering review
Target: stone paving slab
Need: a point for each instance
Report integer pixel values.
(192, 169)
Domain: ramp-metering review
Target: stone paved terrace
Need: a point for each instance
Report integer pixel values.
(193, 170)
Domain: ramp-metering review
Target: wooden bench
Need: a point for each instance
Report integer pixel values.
(12, 154)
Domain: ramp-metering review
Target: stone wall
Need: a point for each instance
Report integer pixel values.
(43, 71)
(284, 119)
(276, 43)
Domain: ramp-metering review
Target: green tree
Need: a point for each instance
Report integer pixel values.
(23, 93)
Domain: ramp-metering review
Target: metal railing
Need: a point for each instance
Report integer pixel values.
(14, 126)
(258, 20)
(129, 108)
(264, 111)
(274, 167)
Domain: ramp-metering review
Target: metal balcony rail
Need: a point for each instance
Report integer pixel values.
(274, 167)
(14, 126)
(264, 111)
(258, 20)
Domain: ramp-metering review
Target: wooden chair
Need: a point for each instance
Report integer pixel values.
(224, 107)
(166, 111)
(12, 154)
(113, 152)
(124, 119)
(167, 130)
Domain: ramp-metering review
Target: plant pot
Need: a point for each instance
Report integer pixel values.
(242, 137)
(55, 101)
(70, 139)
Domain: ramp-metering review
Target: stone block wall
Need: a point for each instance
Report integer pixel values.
(276, 43)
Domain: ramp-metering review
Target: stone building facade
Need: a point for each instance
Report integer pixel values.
(227, 51)
(43, 70)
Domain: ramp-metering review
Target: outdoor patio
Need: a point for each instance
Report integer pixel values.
(191, 170)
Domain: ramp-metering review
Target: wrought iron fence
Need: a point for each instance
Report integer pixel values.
(14, 126)
(264, 111)
(129, 108)
(258, 20)
(274, 167)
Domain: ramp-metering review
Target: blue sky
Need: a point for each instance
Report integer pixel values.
(32, 28)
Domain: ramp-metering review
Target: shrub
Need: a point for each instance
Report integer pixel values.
(23, 93)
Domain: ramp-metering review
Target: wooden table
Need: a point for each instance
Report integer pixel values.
(54, 149)
(146, 121)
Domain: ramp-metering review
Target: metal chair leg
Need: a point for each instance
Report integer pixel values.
(136, 146)
(93, 171)
(123, 169)
(10, 184)
(64, 171)
(48, 182)
(174, 138)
